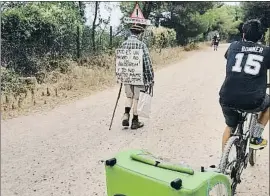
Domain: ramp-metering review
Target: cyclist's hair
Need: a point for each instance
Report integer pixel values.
(252, 30)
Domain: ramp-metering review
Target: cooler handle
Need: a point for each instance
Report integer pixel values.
(162, 165)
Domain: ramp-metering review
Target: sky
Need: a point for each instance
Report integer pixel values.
(116, 12)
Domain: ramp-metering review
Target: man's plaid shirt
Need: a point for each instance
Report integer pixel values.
(134, 43)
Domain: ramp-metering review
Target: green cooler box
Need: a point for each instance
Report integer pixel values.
(139, 173)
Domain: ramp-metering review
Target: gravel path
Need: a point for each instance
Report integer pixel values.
(60, 152)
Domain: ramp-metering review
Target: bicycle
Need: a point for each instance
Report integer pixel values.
(244, 154)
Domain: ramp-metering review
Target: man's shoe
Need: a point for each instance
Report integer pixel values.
(125, 121)
(257, 143)
(136, 124)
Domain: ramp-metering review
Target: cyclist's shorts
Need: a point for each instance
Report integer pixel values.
(231, 116)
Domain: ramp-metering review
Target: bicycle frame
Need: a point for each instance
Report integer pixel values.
(241, 126)
(243, 133)
(243, 129)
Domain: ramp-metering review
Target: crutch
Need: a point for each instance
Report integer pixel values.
(116, 105)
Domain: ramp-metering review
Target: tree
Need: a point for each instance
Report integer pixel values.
(225, 20)
(184, 17)
(94, 25)
(79, 31)
(257, 10)
(33, 31)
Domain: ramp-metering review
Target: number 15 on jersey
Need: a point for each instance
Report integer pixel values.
(252, 65)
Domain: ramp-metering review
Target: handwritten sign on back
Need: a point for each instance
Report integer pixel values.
(129, 66)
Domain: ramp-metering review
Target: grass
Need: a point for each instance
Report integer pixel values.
(94, 75)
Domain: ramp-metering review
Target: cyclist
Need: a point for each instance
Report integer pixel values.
(245, 84)
(215, 41)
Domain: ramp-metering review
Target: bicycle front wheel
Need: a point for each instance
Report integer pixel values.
(227, 162)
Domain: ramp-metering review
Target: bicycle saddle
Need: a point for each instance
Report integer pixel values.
(244, 111)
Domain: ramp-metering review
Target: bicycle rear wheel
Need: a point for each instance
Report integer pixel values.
(227, 166)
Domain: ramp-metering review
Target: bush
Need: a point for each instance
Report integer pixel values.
(9, 80)
(163, 37)
(37, 30)
(191, 46)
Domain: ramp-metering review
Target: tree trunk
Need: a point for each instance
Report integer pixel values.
(94, 27)
(110, 37)
(78, 43)
(79, 32)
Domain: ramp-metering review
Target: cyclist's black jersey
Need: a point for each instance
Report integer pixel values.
(246, 75)
(215, 39)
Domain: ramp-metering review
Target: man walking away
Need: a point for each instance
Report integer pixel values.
(133, 91)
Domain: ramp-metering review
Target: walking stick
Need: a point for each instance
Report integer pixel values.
(119, 93)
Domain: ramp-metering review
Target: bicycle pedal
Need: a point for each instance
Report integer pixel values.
(257, 148)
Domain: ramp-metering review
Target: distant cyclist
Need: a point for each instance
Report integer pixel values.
(215, 41)
(245, 84)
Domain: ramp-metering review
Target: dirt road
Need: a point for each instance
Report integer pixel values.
(60, 152)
